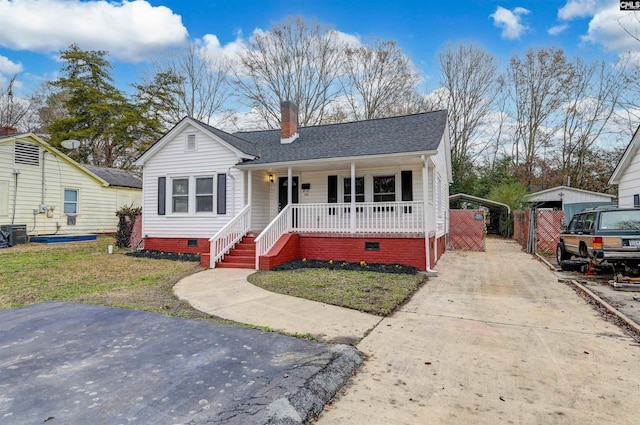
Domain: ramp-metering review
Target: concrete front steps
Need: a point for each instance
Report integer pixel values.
(243, 256)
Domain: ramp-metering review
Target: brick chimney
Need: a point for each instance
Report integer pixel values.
(6, 130)
(288, 122)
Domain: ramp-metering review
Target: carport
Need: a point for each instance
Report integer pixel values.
(472, 217)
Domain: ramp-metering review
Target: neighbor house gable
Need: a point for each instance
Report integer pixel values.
(628, 157)
(33, 139)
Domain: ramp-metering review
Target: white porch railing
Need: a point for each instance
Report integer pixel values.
(370, 217)
(227, 237)
(270, 235)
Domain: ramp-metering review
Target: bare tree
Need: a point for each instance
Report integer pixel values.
(188, 84)
(295, 61)
(13, 111)
(539, 85)
(470, 86)
(378, 81)
(594, 91)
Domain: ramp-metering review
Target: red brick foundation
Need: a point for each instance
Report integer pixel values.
(180, 245)
(286, 249)
(405, 251)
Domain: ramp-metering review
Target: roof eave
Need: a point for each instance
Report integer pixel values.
(333, 159)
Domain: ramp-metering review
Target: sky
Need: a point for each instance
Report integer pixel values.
(32, 32)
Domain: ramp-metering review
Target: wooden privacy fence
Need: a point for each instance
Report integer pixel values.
(466, 230)
(545, 232)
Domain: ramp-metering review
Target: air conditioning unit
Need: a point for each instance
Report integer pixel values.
(17, 233)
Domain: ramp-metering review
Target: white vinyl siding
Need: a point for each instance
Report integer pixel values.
(4, 198)
(97, 203)
(209, 159)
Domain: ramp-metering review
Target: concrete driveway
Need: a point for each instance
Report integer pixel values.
(494, 339)
(68, 364)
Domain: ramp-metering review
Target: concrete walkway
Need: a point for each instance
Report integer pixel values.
(227, 294)
(495, 339)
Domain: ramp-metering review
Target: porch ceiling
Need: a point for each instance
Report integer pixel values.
(342, 164)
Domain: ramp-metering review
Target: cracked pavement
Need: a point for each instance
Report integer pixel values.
(63, 363)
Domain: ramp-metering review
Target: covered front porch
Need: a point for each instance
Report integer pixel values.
(314, 211)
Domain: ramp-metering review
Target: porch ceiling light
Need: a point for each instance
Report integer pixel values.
(271, 178)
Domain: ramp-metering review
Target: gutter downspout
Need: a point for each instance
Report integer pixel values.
(15, 193)
(427, 215)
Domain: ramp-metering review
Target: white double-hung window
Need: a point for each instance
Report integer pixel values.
(180, 195)
(192, 194)
(204, 194)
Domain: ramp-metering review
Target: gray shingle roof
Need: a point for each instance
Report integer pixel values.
(242, 145)
(115, 176)
(408, 133)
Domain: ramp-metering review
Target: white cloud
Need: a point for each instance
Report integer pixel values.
(611, 28)
(557, 29)
(510, 21)
(575, 9)
(9, 67)
(129, 30)
(211, 48)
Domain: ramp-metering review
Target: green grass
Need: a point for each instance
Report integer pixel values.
(84, 272)
(376, 293)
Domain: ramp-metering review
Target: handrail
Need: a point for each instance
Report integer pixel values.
(227, 237)
(270, 235)
(370, 217)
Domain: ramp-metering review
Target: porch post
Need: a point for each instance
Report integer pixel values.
(249, 192)
(353, 197)
(289, 189)
(427, 215)
(289, 198)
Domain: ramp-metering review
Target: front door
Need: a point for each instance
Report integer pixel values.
(282, 192)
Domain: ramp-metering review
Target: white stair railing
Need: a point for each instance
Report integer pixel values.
(227, 237)
(270, 235)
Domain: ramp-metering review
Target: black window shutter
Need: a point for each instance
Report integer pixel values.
(407, 185)
(636, 200)
(332, 189)
(222, 193)
(162, 195)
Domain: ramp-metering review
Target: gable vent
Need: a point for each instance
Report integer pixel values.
(26, 153)
(191, 142)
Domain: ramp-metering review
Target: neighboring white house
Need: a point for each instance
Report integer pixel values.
(627, 174)
(50, 193)
(292, 187)
(559, 196)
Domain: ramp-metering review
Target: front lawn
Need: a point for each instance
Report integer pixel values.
(84, 272)
(370, 292)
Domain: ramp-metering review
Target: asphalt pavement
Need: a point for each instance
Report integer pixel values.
(63, 363)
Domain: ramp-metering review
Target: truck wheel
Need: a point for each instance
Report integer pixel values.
(561, 254)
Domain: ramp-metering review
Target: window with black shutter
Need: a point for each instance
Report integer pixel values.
(332, 192)
(222, 193)
(162, 193)
(406, 181)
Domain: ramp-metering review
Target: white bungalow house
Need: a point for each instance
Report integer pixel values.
(261, 198)
(49, 193)
(627, 174)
